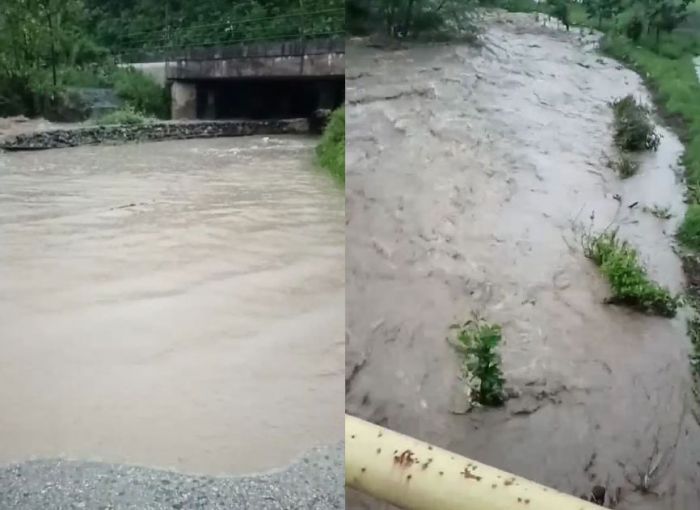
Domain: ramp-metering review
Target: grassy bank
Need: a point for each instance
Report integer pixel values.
(331, 149)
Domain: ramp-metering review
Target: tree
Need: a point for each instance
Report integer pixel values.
(665, 15)
(603, 9)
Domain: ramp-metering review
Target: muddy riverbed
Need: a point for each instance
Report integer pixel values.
(470, 174)
(177, 305)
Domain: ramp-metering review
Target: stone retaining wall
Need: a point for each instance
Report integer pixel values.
(152, 131)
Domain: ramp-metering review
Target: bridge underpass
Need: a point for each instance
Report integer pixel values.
(257, 81)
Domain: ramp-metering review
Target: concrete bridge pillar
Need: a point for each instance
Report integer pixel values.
(184, 100)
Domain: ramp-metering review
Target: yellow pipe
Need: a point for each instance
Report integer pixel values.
(415, 475)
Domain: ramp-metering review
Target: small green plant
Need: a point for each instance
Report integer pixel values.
(663, 213)
(479, 340)
(633, 129)
(625, 166)
(126, 115)
(331, 149)
(629, 281)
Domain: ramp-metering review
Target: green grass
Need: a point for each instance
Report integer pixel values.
(633, 129)
(331, 149)
(628, 278)
(479, 341)
(126, 115)
(689, 231)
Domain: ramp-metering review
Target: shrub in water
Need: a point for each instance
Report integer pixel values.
(634, 130)
(626, 166)
(628, 278)
(479, 341)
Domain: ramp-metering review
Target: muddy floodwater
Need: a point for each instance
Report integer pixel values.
(471, 174)
(177, 304)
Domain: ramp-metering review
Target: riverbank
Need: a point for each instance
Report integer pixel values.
(313, 481)
(150, 132)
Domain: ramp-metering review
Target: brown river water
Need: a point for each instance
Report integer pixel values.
(174, 304)
(470, 175)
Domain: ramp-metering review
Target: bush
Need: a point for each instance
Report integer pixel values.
(141, 93)
(331, 149)
(628, 279)
(634, 130)
(479, 342)
(126, 115)
(689, 231)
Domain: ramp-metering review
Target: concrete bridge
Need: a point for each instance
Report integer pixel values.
(257, 80)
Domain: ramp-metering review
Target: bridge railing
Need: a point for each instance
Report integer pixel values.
(292, 28)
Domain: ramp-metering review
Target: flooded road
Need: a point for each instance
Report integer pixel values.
(177, 304)
(471, 174)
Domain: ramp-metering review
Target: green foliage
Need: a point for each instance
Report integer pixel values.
(479, 342)
(423, 19)
(133, 25)
(634, 130)
(141, 93)
(331, 149)
(560, 10)
(628, 278)
(127, 115)
(689, 231)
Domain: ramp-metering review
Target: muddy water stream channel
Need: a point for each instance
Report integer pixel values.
(470, 175)
(175, 304)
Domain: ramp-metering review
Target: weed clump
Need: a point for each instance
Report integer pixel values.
(127, 115)
(628, 278)
(634, 130)
(479, 341)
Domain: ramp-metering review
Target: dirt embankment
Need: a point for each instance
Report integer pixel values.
(470, 173)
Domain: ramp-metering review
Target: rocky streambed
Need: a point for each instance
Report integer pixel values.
(471, 173)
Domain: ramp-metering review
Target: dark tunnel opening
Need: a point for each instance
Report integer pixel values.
(262, 99)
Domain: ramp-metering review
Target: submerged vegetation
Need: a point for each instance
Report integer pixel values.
(634, 130)
(479, 341)
(331, 149)
(625, 166)
(663, 213)
(628, 278)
